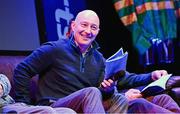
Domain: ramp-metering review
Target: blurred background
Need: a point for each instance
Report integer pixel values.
(26, 24)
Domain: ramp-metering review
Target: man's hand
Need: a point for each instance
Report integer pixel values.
(107, 85)
(132, 94)
(1, 90)
(158, 74)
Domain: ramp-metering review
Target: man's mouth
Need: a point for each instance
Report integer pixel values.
(87, 36)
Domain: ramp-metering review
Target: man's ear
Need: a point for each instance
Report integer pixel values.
(73, 24)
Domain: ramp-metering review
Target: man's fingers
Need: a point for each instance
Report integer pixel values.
(107, 83)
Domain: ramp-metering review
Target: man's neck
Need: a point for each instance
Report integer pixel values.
(83, 48)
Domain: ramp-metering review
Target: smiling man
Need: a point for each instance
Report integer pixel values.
(86, 28)
(71, 72)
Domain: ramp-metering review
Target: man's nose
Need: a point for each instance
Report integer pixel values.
(88, 29)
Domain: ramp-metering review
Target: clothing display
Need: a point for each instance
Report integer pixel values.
(153, 24)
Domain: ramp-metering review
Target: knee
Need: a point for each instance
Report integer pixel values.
(139, 102)
(92, 91)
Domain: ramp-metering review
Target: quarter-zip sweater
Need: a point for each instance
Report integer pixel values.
(62, 68)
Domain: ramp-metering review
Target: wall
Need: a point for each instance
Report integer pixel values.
(18, 25)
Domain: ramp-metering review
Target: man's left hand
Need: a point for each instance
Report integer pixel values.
(158, 74)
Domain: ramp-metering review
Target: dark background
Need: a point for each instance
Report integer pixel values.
(113, 34)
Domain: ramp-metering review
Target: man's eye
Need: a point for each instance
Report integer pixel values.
(84, 25)
(94, 28)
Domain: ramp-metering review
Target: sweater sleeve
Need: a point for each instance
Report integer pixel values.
(131, 80)
(36, 62)
(4, 81)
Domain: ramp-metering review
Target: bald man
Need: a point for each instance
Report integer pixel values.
(72, 72)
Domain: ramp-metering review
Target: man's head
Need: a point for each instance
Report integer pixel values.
(85, 28)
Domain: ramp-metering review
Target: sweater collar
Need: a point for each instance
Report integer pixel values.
(94, 45)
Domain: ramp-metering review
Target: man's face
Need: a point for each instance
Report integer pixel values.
(85, 28)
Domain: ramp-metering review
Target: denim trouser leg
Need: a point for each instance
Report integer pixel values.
(116, 104)
(159, 104)
(166, 102)
(21, 108)
(87, 100)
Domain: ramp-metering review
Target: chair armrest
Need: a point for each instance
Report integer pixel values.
(175, 94)
(174, 81)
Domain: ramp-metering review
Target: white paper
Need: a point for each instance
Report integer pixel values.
(161, 82)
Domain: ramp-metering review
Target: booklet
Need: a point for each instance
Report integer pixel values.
(115, 63)
(156, 87)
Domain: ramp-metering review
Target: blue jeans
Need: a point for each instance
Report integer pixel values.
(157, 104)
(89, 100)
(22, 108)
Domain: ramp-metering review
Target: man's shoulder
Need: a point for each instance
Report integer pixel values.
(58, 43)
(99, 55)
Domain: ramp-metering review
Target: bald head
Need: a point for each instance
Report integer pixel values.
(85, 29)
(88, 14)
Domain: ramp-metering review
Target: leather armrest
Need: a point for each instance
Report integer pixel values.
(174, 81)
(175, 94)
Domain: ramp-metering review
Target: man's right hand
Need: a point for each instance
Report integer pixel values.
(107, 85)
(132, 94)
